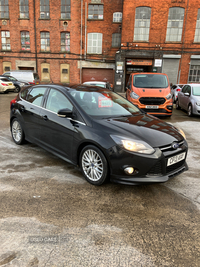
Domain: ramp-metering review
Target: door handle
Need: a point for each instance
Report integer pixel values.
(45, 117)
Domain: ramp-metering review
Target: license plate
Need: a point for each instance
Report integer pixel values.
(10, 84)
(176, 159)
(152, 107)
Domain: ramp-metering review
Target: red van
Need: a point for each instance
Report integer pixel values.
(150, 92)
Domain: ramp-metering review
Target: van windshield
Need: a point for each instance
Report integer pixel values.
(150, 81)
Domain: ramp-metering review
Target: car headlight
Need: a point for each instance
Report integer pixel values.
(169, 96)
(21, 84)
(179, 130)
(133, 145)
(134, 95)
(198, 103)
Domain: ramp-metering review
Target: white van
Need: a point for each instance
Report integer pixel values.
(26, 75)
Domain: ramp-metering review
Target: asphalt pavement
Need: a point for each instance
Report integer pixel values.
(50, 216)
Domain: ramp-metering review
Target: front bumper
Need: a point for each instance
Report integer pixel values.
(148, 168)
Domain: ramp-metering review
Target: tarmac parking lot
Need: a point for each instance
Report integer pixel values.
(50, 216)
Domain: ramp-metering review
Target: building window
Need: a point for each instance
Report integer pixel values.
(25, 41)
(23, 9)
(197, 31)
(45, 41)
(4, 9)
(116, 39)
(65, 41)
(117, 17)
(44, 9)
(194, 74)
(94, 44)
(95, 12)
(142, 24)
(5, 40)
(175, 24)
(65, 9)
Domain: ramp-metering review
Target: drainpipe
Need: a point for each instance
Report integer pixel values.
(179, 72)
(35, 37)
(85, 27)
(81, 41)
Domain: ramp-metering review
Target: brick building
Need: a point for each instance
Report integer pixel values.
(80, 40)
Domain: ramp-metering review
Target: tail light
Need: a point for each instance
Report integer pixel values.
(12, 102)
(31, 82)
(4, 84)
(178, 90)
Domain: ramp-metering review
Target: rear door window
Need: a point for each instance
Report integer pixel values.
(36, 96)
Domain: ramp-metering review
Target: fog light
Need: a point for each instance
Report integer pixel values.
(129, 170)
(170, 107)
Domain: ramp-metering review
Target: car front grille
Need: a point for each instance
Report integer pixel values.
(174, 167)
(158, 110)
(156, 170)
(152, 100)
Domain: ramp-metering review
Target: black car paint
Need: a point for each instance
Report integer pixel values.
(49, 131)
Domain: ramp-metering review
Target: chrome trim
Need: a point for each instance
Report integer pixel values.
(169, 147)
(53, 112)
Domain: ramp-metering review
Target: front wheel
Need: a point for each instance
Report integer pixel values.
(189, 111)
(94, 165)
(17, 132)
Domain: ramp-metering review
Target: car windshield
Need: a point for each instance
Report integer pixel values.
(150, 81)
(104, 104)
(196, 90)
(12, 78)
(96, 84)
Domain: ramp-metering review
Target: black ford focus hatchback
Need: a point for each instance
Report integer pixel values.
(100, 131)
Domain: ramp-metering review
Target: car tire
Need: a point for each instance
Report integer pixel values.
(93, 165)
(173, 99)
(17, 132)
(177, 104)
(17, 89)
(189, 111)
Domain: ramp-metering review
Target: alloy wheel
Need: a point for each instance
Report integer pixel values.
(17, 132)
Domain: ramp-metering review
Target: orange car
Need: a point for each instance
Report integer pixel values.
(150, 92)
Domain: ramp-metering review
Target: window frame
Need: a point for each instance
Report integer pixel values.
(177, 36)
(27, 46)
(7, 44)
(137, 36)
(46, 40)
(92, 47)
(197, 29)
(67, 8)
(65, 45)
(23, 6)
(45, 9)
(115, 17)
(93, 16)
(5, 6)
(116, 40)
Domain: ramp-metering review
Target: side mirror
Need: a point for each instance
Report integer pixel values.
(65, 113)
(186, 94)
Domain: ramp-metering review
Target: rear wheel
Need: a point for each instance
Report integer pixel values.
(17, 89)
(177, 104)
(17, 132)
(94, 165)
(189, 111)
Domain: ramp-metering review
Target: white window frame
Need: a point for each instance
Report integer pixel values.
(94, 43)
(117, 17)
(142, 25)
(175, 25)
(5, 40)
(197, 31)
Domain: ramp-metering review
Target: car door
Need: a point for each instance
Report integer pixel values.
(57, 132)
(30, 107)
(181, 96)
(186, 98)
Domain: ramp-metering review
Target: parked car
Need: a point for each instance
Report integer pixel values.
(99, 131)
(18, 84)
(150, 92)
(100, 84)
(6, 85)
(174, 91)
(26, 75)
(189, 99)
